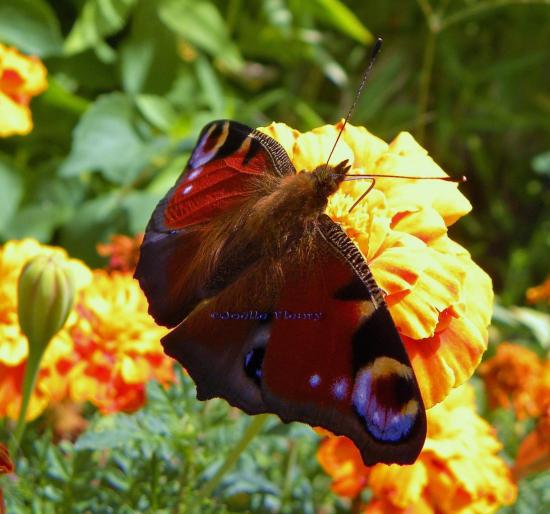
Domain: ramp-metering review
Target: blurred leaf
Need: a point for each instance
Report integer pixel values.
(533, 496)
(37, 221)
(537, 322)
(31, 26)
(541, 164)
(98, 19)
(57, 95)
(11, 190)
(139, 205)
(211, 87)
(95, 221)
(106, 140)
(157, 110)
(148, 58)
(201, 24)
(343, 18)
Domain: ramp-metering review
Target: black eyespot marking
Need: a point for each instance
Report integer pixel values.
(354, 291)
(253, 150)
(253, 361)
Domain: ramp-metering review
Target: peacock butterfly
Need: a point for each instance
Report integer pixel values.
(275, 307)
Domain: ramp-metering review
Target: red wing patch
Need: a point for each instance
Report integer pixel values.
(217, 176)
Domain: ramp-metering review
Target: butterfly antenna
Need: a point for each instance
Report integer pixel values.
(362, 85)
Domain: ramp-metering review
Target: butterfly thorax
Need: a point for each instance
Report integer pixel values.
(279, 224)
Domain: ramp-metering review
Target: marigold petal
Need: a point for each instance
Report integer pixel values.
(406, 157)
(31, 70)
(313, 148)
(340, 458)
(283, 134)
(447, 359)
(416, 314)
(366, 147)
(402, 485)
(426, 224)
(15, 119)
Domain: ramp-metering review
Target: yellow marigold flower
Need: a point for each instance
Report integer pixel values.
(539, 293)
(440, 300)
(513, 378)
(21, 77)
(13, 343)
(458, 471)
(116, 345)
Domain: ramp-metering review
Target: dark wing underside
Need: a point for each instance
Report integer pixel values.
(227, 159)
(327, 354)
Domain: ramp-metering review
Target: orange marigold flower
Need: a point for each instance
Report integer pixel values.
(21, 77)
(13, 343)
(457, 471)
(534, 452)
(440, 300)
(539, 293)
(116, 345)
(513, 378)
(122, 251)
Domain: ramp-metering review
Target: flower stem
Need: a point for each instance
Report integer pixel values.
(31, 372)
(251, 431)
(425, 82)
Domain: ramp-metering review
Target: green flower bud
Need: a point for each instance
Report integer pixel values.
(46, 292)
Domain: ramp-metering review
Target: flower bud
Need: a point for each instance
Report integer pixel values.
(46, 292)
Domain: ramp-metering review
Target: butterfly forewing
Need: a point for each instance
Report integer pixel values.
(217, 181)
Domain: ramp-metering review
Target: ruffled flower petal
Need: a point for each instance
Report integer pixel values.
(21, 77)
(439, 299)
(458, 470)
(340, 458)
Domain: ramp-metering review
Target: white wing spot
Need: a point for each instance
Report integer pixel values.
(314, 380)
(340, 388)
(194, 174)
(186, 190)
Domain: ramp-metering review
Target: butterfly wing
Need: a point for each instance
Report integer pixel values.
(349, 371)
(328, 354)
(217, 181)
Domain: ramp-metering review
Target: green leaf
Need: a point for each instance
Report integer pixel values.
(96, 220)
(541, 164)
(139, 205)
(157, 110)
(149, 59)
(37, 221)
(201, 24)
(31, 26)
(98, 19)
(211, 87)
(342, 18)
(11, 190)
(533, 497)
(106, 140)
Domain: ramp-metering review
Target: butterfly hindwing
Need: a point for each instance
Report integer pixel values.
(327, 353)
(218, 179)
(349, 371)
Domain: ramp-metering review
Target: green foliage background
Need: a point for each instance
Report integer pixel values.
(131, 83)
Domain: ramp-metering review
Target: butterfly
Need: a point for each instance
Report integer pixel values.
(275, 308)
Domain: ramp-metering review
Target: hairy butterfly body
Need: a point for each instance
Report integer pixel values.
(242, 232)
